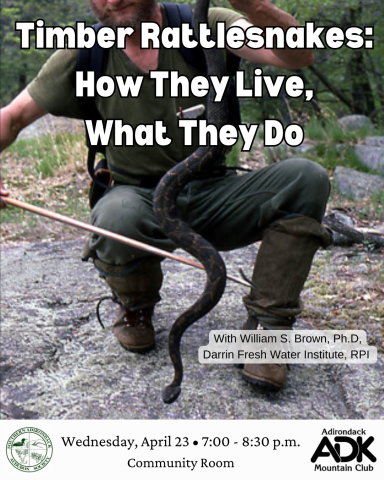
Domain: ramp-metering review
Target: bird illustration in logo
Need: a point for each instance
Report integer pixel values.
(21, 444)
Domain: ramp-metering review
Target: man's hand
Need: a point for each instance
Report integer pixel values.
(262, 13)
(3, 193)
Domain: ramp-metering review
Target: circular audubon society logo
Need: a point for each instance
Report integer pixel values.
(29, 449)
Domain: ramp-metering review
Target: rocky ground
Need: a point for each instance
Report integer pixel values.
(57, 362)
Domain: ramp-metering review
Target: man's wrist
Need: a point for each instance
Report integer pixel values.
(258, 7)
(251, 7)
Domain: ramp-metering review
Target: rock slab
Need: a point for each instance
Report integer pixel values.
(355, 122)
(356, 184)
(49, 124)
(371, 156)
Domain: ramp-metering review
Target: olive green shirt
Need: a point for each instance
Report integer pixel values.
(54, 90)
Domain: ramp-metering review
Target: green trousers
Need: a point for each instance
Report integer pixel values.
(230, 211)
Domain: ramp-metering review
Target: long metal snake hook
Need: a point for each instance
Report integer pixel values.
(167, 215)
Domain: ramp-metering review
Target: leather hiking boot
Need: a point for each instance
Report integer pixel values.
(134, 329)
(268, 376)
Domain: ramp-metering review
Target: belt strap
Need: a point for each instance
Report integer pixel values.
(151, 181)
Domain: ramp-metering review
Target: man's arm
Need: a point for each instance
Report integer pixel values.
(20, 113)
(262, 13)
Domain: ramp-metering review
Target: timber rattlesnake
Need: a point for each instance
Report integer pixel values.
(166, 212)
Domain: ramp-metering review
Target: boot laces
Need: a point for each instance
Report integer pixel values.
(113, 298)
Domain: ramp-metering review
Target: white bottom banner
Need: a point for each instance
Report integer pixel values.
(117, 449)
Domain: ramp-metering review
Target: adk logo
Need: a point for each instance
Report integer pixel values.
(29, 449)
(358, 449)
(344, 449)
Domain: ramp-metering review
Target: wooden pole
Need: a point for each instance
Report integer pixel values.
(106, 233)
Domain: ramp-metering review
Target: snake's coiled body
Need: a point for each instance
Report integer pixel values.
(166, 212)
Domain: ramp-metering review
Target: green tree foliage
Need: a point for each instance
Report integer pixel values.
(345, 80)
(352, 80)
(17, 66)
